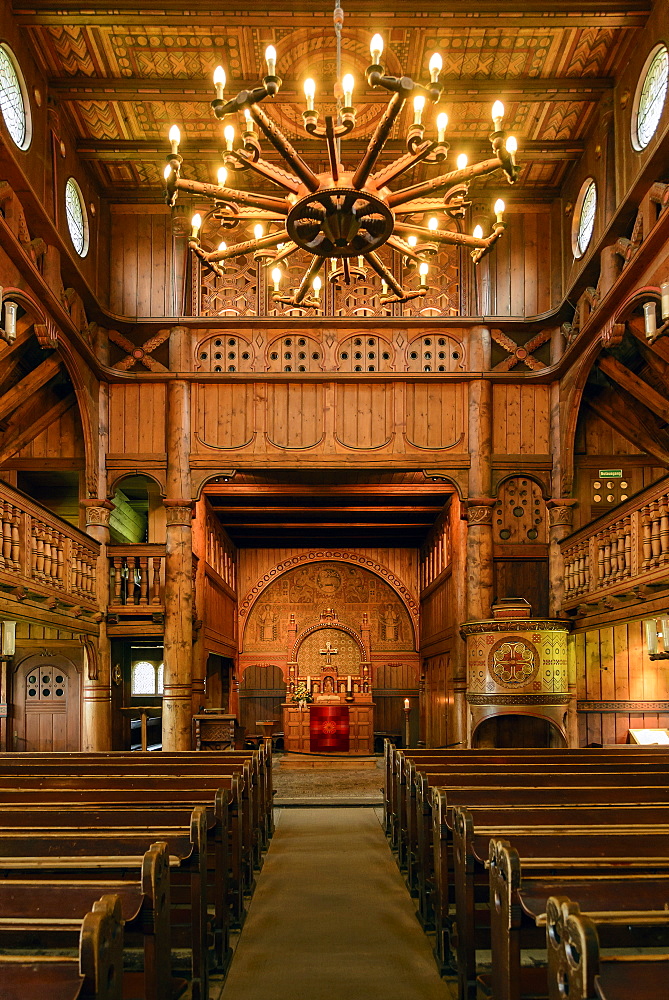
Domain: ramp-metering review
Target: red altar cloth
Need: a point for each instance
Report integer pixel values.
(328, 729)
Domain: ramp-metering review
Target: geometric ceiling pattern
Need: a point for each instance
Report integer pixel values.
(122, 77)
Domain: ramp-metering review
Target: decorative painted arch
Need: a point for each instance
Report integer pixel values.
(570, 405)
(337, 626)
(327, 555)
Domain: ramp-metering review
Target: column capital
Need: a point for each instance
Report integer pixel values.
(97, 510)
(179, 511)
(478, 510)
(560, 511)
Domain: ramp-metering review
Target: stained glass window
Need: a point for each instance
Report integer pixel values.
(77, 221)
(585, 217)
(650, 97)
(143, 678)
(13, 99)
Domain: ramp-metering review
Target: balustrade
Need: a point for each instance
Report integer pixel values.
(137, 575)
(628, 547)
(43, 554)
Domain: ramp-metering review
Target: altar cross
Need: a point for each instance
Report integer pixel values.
(328, 652)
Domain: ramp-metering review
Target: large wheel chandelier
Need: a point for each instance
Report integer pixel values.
(342, 215)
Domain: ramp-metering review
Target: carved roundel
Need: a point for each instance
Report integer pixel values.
(340, 222)
(513, 663)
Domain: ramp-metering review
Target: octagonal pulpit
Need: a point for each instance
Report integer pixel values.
(329, 728)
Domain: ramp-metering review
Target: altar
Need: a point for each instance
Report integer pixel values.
(337, 728)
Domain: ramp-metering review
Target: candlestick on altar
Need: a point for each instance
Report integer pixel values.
(407, 714)
(348, 684)
(309, 684)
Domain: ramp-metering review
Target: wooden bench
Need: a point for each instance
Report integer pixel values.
(578, 971)
(35, 913)
(97, 974)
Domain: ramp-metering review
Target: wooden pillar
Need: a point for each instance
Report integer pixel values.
(457, 723)
(560, 518)
(178, 640)
(96, 701)
(199, 583)
(480, 503)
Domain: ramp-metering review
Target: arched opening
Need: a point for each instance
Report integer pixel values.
(139, 513)
(517, 732)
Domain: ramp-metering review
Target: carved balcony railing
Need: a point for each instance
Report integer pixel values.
(137, 581)
(43, 559)
(620, 553)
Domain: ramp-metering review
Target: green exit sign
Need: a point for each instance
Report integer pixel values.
(610, 473)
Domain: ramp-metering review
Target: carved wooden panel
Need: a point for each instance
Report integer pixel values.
(364, 416)
(519, 516)
(521, 419)
(225, 416)
(435, 415)
(294, 415)
(130, 429)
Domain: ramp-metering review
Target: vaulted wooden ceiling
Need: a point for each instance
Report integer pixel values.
(322, 507)
(122, 76)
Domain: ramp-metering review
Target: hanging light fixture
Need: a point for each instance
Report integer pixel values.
(341, 214)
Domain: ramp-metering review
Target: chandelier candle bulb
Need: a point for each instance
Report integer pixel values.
(229, 136)
(478, 232)
(664, 292)
(316, 285)
(309, 93)
(258, 231)
(435, 67)
(418, 105)
(412, 240)
(497, 115)
(347, 87)
(175, 139)
(650, 319)
(462, 161)
(270, 59)
(407, 704)
(433, 224)
(361, 261)
(512, 148)
(276, 278)
(376, 49)
(384, 286)
(499, 209)
(221, 176)
(167, 171)
(442, 125)
(195, 224)
(222, 246)
(219, 82)
(422, 270)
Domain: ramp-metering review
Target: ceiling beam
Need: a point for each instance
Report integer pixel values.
(466, 89)
(660, 346)
(150, 149)
(650, 397)
(655, 443)
(28, 385)
(39, 422)
(236, 490)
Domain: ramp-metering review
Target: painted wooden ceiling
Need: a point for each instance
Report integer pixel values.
(122, 76)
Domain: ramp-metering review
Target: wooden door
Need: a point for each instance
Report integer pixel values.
(47, 704)
(261, 693)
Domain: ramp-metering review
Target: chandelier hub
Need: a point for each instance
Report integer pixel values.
(339, 221)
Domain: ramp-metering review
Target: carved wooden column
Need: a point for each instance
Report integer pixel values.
(560, 519)
(457, 723)
(178, 558)
(480, 503)
(199, 584)
(96, 701)
(480, 583)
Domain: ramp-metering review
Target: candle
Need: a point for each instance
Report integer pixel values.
(407, 704)
(650, 318)
(664, 291)
(348, 688)
(309, 684)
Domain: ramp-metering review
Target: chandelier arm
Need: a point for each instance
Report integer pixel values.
(194, 246)
(444, 180)
(226, 194)
(397, 243)
(402, 164)
(289, 249)
(268, 170)
(239, 249)
(377, 265)
(446, 236)
(378, 140)
(310, 274)
(281, 144)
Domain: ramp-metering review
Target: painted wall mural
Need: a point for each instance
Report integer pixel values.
(306, 591)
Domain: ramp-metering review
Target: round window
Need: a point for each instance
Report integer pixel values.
(650, 96)
(584, 218)
(14, 99)
(77, 220)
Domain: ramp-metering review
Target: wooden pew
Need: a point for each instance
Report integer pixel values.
(61, 854)
(97, 974)
(578, 971)
(34, 912)
(548, 850)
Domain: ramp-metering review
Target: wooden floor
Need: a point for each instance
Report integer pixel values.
(331, 918)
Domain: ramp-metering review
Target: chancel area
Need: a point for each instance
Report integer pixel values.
(334, 500)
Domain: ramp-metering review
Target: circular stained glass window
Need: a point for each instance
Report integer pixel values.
(14, 99)
(584, 218)
(650, 96)
(77, 220)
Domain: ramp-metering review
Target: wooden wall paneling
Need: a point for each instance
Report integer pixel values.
(225, 416)
(435, 415)
(621, 678)
(518, 254)
(364, 415)
(513, 419)
(528, 254)
(593, 684)
(295, 414)
(608, 681)
(62, 439)
(137, 418)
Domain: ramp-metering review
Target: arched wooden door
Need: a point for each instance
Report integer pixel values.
(261, 693)
(47, 704)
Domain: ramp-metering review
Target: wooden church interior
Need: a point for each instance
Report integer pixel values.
(285, 470)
